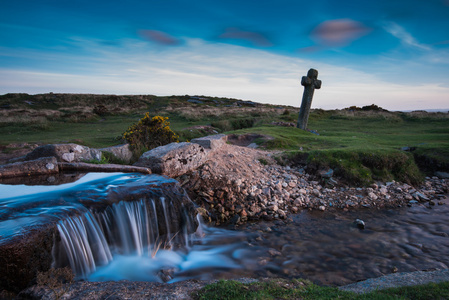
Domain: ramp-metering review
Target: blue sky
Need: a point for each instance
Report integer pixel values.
(394, 53)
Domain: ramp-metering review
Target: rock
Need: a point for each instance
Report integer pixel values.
(302, 192)
(86, 167)
(211, 141)
(25, 255)
(40, 166)
(360, 224)
(65, 153)
(174, 159)
(274, 252)
(372, 196)
(383, 191)
(253, 146)
(421, 196)
(322, 208)
(121, 152)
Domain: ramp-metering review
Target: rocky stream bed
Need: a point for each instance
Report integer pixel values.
(245, 190)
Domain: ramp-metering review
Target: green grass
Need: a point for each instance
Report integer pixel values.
(303, 289)
(348, 141)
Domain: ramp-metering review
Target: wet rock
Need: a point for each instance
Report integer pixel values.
(421, 196)
(25, 255)
(40, 166)
(274, 252)
(359, 223)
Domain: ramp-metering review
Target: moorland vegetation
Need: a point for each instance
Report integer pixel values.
(361, 144)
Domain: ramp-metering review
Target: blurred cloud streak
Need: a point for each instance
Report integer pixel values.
(158, 37)
(340, 32)
(255, 38)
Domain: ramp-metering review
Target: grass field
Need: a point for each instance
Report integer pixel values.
(303, 289)
(362, 145)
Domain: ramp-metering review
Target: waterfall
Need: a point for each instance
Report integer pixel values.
(84, 242)
(124, 228)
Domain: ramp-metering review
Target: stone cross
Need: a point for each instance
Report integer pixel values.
(310, 83)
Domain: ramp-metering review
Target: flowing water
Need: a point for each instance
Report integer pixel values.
(124, 240)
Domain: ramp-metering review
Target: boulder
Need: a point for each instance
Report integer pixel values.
(212, 141)
(26, 255)
(174, 159)
(40, 166)
(65, 153)
(121, 152)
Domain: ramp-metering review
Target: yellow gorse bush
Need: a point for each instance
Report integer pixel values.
(150, 133)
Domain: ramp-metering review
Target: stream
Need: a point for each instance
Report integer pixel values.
(325, 247)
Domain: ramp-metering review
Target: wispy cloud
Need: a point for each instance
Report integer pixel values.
(159, 37)
(255, 38)
(405, 37)
(339, 32)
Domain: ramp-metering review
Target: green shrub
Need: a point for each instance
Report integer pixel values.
(236, 124)
(149, 133)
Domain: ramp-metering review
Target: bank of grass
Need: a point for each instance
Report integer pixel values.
(366, 146)
(303, 289)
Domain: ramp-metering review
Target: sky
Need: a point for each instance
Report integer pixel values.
(392, 53)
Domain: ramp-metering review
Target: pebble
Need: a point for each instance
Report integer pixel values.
(278, 191)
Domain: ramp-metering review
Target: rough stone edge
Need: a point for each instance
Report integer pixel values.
(397, 280)
(86, 167)
(40, 166)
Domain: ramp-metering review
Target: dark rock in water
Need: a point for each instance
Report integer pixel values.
(360, 224)
(24, 255)
(40, 166)
(50, 179)
(111, 290)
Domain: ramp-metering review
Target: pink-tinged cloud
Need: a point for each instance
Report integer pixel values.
(310, 49)
(339, 32)
(159, 37)
(256, 38)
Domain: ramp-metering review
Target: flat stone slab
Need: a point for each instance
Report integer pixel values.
(86, 167)
(40, 166)
(174, 159)
(211, 141)
(397, 280)
(65, 153)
